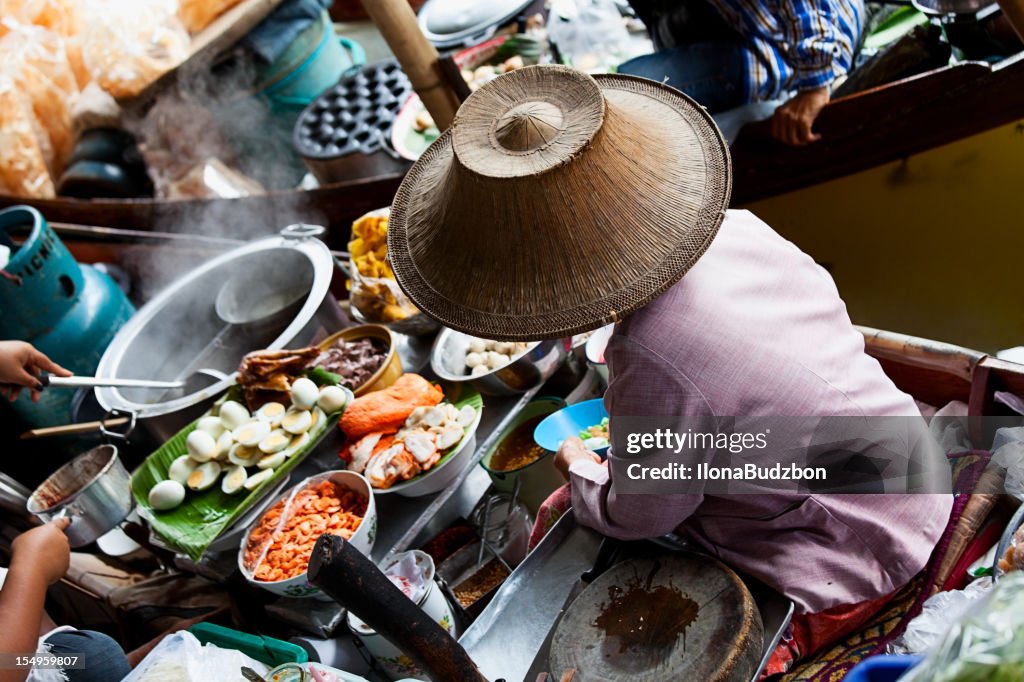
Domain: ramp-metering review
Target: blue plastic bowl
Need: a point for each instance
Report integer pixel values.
(569, 421)
(882, 668)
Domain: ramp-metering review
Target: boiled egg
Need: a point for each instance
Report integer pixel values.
(181, 469)
(234, 480)
(212, 425)
(477, 346)
(252, 433)
(204, 476)
(233, 414)
(297, 443)
(332, 399)
(257, 479)
(224, 445)
(277, 441)
(201, 446)
(304, 393)
(297, 421)
(166, 495)
(243, 455)
(271, 413)
(271, 461)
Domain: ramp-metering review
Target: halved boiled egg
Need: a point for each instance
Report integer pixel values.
(304, 393)
(297, 443)
(272, 413)
(181, 468)
(257, 479)
(277, 441)
(243, 455)
(204, 476)
(234, 480)
(233, 414)
(297, 421)
(252, 433)
(201, 446)
(271, 461)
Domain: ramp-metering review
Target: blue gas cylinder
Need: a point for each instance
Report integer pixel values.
(69, 311)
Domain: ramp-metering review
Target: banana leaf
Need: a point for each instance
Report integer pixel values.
(194, 524)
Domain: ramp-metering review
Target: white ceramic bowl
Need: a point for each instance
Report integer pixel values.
(362, 540)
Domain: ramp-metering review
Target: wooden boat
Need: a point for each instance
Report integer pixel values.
(861, 131)
(881, 125)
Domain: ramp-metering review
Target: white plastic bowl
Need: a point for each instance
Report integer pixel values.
(362, 540)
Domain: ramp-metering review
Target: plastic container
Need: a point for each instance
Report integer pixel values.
(315, 61)
(272, 652)
(882, 668)
(569, 422)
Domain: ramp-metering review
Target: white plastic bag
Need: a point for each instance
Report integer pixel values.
(181, 658)
(986, 644)
(1011, 458)
(590, 34)
(939, 612)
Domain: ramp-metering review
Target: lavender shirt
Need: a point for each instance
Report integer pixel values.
(756, 328)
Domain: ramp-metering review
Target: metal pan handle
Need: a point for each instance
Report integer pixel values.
(303, 231)
(111, 433)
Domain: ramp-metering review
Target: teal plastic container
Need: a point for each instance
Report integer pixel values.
(267, 650)
(315, 61)
(69, 311)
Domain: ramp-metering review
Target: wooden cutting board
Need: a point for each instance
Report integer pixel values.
(678, 617)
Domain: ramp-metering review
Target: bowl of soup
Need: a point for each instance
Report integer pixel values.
(516, 455)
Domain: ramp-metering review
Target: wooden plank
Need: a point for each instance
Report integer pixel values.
(333, 206)
(881, 125)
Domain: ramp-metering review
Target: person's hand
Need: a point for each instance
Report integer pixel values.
(571, 450)
(43, 551)
(793, 121)
(21, 364)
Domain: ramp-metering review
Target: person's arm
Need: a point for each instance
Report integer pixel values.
(1014, 11)
(810, 31)
(642, 385)
(39, 558)
(20, 366)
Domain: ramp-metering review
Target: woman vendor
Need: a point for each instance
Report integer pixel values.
(559, 202)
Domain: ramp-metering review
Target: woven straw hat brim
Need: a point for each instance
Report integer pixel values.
(586, 202)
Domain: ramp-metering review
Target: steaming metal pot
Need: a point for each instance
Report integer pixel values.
(180, 335)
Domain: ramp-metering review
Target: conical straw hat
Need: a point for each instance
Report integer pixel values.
(558, 202)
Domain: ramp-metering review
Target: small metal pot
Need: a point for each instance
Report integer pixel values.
(93, 490)
(535, 366)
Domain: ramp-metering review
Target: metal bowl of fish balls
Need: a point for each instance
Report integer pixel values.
(495, 367)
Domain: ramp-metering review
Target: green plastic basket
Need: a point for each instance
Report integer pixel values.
(267, 650)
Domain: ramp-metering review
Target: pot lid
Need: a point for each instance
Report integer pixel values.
(179, 331)
(449, 23)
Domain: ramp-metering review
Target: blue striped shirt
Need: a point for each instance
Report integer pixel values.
(794, 44)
